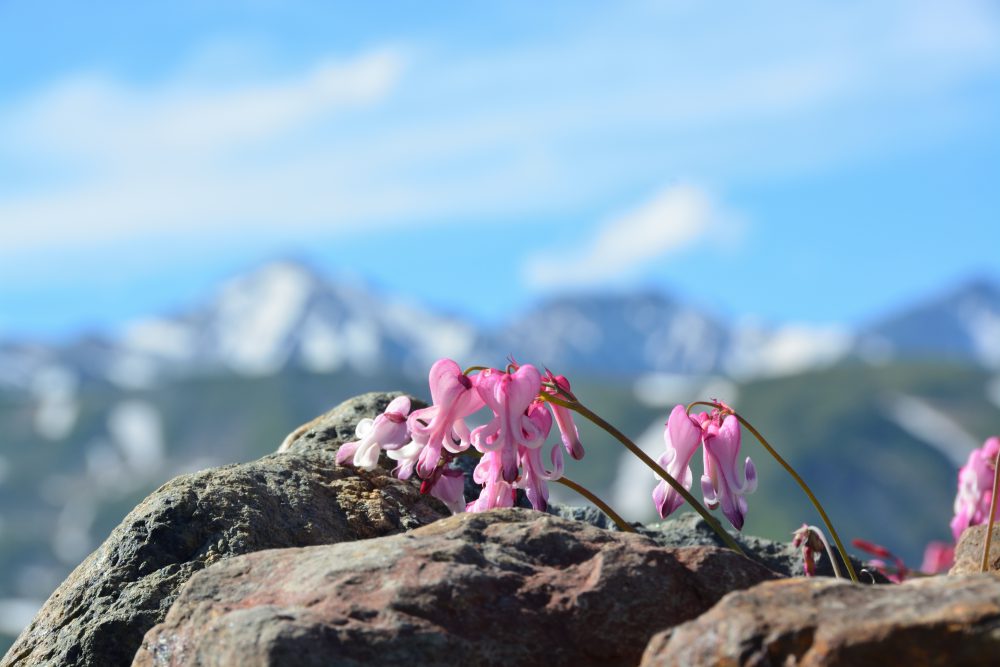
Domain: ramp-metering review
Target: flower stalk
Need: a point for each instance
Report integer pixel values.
(801, 482)
(576, 406)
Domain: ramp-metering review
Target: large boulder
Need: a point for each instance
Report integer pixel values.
(969, 551)
(99, 615)
(508, 587)
(949, 621)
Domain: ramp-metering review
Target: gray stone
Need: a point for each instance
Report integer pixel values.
(100, 613)
(507, 587)
(969, 551)
(946, 621)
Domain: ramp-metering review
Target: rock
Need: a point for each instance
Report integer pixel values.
(969, 551)
(507, 587)
(331, 429)
(946, 621)
(689, 529)
(99, 615)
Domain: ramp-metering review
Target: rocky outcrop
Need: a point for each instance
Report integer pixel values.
(99, 615)
(509, 587)
(689, 529)
(969, 551)
(945, 621)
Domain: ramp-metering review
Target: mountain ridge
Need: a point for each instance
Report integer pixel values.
(287, 313)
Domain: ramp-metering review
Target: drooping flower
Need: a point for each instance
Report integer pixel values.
(723, 483)
(938, 557)
(975, 488)
(448, 486)
(804, 539)
(496, 492)
(441, 427)
(534, 477)
(682, 435)
(387, 431)
(508, 395)
(564, 416)
(405, 458)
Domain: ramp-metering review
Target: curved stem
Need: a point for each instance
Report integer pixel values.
(473, 369)
(801, 482)
(993, 513)
(622, 524)
(653, 465)
(829, 552)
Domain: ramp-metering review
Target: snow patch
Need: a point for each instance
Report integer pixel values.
(759, 352)
(257, 315)
(321, 348)
(665, 390)
(983, 324)
(137, 429)
(55, 388)
(160, 338)
(928, 424)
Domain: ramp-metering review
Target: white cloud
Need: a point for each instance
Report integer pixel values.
(674, 219)
(106, 124)
(519, 130)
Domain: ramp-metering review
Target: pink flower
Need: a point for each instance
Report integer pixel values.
(682, 436)
(723, 483)
(938, 558)
(564, 416)
(496, 492)
(508, 395)
(449, 488)
(811, 546)
(534, 477)
(387, 431)
(975, 488)
(441, 425)
(405, 458)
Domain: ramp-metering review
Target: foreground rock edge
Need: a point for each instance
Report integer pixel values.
(502, 587)
(99, 614)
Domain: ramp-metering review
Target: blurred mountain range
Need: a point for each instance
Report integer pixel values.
(286, 315)
(877, 419)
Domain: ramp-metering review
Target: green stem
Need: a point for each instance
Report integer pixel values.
(622, 524)
(653, 465)
(801, 482)
(993, 513)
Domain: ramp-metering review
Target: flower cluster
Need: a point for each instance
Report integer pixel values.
(510, 444)
(975, 487)
(723, 483)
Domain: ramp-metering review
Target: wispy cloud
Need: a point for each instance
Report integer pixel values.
(514, 129)
(175, 157)
(674, 219)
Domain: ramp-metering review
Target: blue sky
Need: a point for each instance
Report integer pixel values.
(810, 162)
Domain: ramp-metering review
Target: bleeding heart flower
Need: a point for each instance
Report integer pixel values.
(387, 431)
(508, 395)
(975, 488)
(442, 427)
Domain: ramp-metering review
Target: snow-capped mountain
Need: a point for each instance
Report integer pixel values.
(286, 315)
(961, 325)
(623, 335)
(281, 315)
